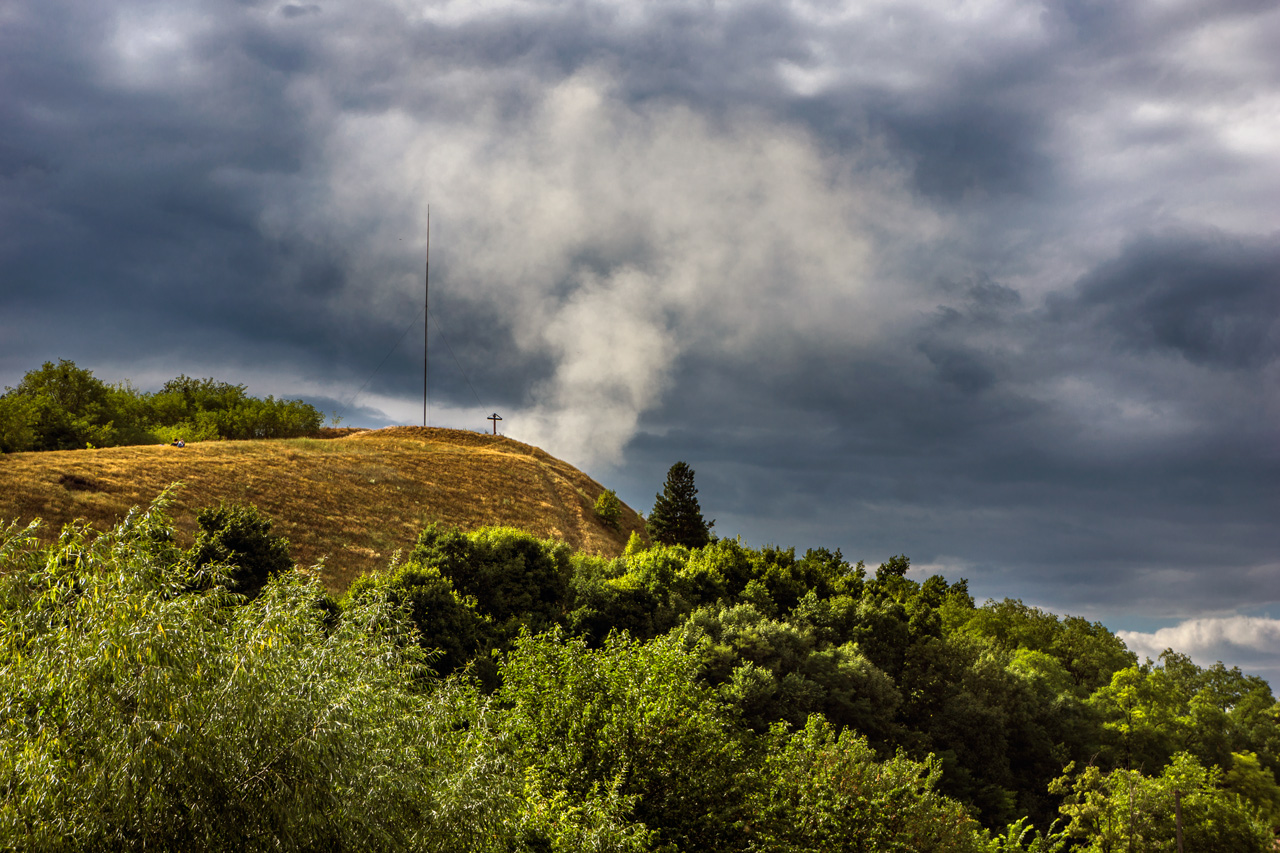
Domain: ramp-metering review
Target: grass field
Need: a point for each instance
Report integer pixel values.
(351, 501)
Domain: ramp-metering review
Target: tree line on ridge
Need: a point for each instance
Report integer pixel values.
(65, 407)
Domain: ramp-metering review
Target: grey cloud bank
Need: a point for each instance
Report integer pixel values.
(994, 284)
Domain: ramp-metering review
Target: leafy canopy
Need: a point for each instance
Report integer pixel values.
(239, 537)
(671, 699)
(609, 508)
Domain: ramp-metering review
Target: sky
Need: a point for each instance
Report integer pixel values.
(992, 284)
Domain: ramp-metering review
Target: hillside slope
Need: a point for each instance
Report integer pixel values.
(351, 501)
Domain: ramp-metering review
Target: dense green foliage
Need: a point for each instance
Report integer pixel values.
(65, 407)
(497, 692)
(139, 714)
(609, 508)
(1002, 695)
(239, 537)
(142, 711)
(1125, 810)
(632, 718)
(676, 518)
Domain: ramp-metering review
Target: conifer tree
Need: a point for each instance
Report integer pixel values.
(676, 518)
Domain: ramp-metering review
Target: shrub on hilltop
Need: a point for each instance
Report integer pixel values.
(609, 508)
(65, 407)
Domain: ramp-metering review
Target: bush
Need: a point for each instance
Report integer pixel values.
(448, 625)
(239, 536)
(632, 719)
(827, 792)
(514, 577)
(1126, 810)
(137, 716)
(609, 508)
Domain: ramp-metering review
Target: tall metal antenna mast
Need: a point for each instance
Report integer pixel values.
(426, 305)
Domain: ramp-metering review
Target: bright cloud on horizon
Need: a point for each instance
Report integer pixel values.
(1251, 642)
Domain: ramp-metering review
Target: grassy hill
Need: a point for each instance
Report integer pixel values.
(353, 499)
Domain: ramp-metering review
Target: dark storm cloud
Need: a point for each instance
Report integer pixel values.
(129, 211)
(1211, 300)
(994, 285)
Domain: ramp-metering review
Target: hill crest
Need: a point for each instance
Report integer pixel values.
(351, 500)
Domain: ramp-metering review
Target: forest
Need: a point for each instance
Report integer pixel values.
(65, 407)
(493, 691)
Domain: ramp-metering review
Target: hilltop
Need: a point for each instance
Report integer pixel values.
(351, 498)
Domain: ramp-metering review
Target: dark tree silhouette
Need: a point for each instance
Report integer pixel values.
(676, 518)
(240, 535)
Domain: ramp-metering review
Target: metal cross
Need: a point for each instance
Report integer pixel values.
(495, 417)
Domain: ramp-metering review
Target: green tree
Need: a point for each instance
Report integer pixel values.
(1126, 810)
(70, 407)
(631, 717)
(676, 518)
(777, 671)
(17, 423)
(239, 536)
(514, 578)
(448, 624)
(1087, 650)
(607, 599)
(609, 508)
(1248, 778)
(828, 792)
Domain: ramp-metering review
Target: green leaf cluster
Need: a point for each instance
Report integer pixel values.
(239, 537)
(608, 508)
(1127, 810)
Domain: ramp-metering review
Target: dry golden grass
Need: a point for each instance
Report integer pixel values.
(350, 500)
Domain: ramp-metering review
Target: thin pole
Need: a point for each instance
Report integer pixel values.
(426, 308)
(1129, 776)
(1177, 810)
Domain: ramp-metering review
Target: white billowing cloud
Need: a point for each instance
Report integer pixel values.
(615, 239)
(612, 356)
(1242, 639)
